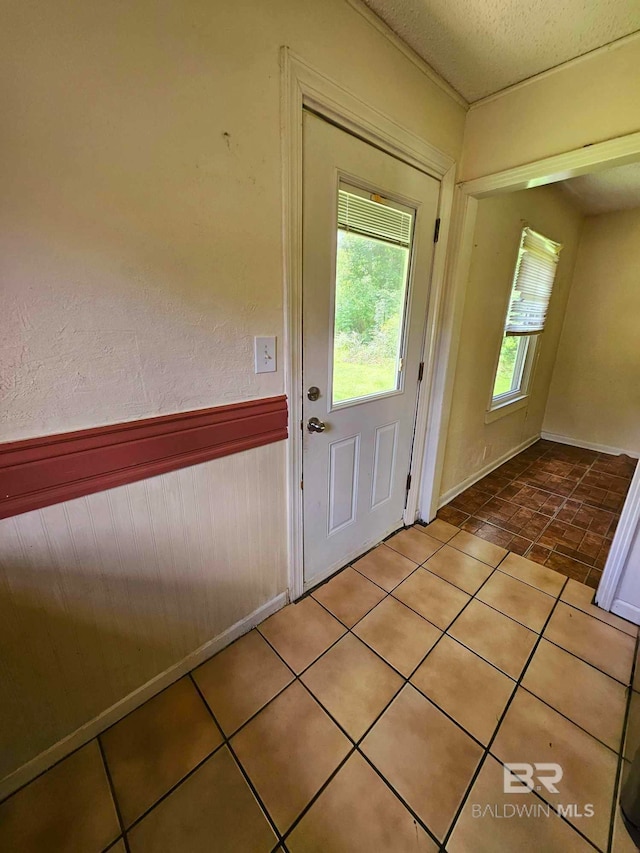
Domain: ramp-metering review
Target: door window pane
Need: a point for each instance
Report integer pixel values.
(370, 297)
(513, 354)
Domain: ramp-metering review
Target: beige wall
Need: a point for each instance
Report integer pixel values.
(141, 242)
(595, 391)
(141, 185)
(101, 594)
(589, 101)
(496, 241)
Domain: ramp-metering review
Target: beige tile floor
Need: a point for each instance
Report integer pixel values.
(374, 715)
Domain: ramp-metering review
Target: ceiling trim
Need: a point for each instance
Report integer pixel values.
(383, 28)
(521, 84)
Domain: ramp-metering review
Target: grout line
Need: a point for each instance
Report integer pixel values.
(298, 676)
(42, 772)
(112, 846)
(589, 568)
(502, 716)
(598, 617)
(356, 748)
(108, 728)
(568, 719)
(413, 813)
(344, 625)
(320, 791)
(309, 665)
(495, 734)
(407, 679)
(405, 682)
(447, 629)
(592, 665)
(170, 791)
(625, 725)
(113, 795)
(226, 742)
(268, 702)
(513, 618)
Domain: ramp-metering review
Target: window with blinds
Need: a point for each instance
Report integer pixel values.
(532, 285)
(365, 215)
(526, 316)
(373, 250)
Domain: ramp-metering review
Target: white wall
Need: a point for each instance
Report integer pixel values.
(595, 390)
(473, 444)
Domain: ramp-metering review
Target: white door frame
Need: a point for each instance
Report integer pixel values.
(303, 86)
(593, 158)
(623, 539)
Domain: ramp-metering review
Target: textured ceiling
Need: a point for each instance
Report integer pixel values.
(603, 192)
(483, 46)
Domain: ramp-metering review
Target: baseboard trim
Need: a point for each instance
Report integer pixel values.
(626, 610)
(103, 721)
(487, 469)
(588, 445)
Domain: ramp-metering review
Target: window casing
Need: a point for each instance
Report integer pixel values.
(525, 318)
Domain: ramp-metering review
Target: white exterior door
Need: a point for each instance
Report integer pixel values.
(368, 231)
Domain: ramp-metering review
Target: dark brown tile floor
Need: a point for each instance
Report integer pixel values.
(553, 503)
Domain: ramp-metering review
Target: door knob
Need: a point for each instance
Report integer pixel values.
(315, 425)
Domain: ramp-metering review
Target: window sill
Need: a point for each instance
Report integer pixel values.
(501, 410)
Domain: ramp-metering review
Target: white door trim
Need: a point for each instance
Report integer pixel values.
(303, 86)
(593, 158)
(621, 545)
(570, 164)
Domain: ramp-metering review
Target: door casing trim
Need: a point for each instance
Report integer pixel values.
(304, 87)
(623, 540)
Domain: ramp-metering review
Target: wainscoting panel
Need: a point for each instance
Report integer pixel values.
(39, 472)
(100, 594)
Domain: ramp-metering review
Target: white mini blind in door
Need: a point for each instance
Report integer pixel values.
(382, 221)
(533, 284)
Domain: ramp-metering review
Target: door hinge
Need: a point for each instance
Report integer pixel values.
(302, 484)
(421, 371)
(436, 230)
(408, 481)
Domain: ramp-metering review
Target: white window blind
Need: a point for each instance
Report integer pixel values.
(371, 218)
(532, 284)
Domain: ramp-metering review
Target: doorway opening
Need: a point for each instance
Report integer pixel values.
(561, 501)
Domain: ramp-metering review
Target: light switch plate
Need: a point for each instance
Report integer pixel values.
(265, 354)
